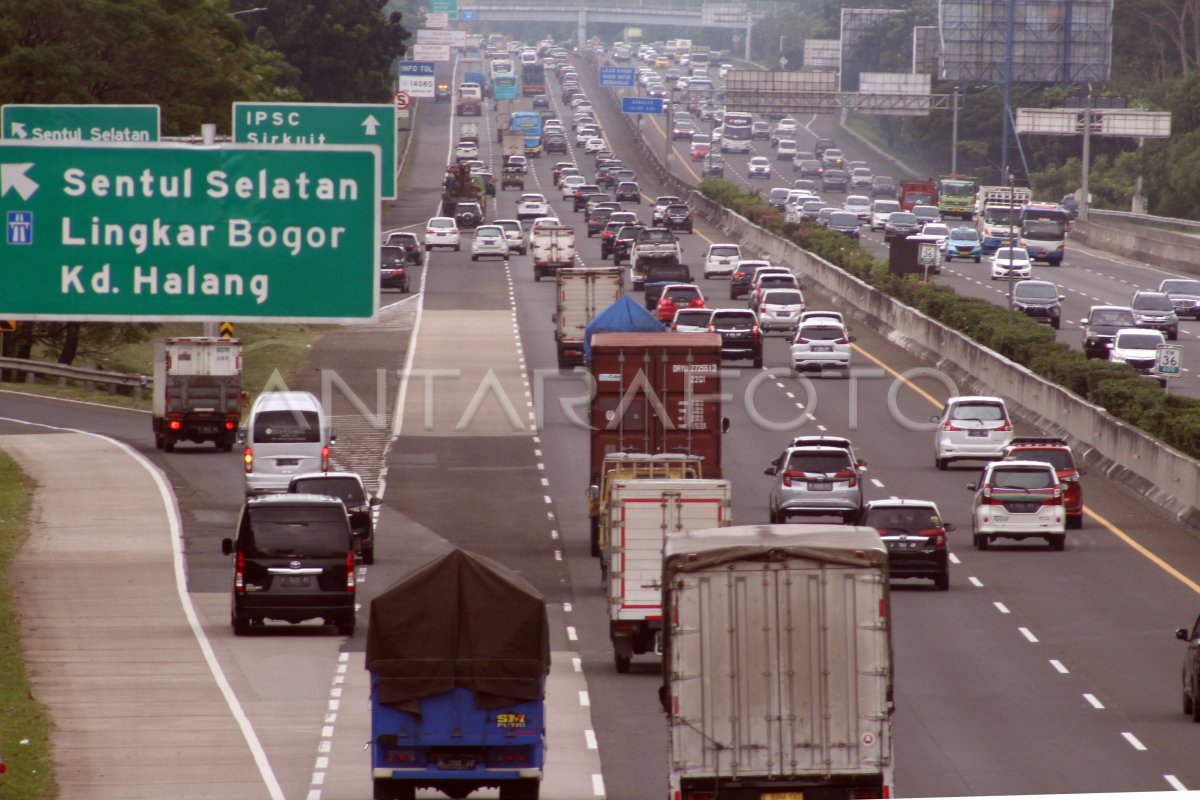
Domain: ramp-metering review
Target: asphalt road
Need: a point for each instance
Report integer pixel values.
(1038, 672)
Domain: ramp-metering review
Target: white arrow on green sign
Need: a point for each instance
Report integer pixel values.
(283, 124)
(79, 123)
(171, 232)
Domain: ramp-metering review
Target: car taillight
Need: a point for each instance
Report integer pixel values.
(801, 340)
(1056, 498)
(712, 328)
(350, 571)
(949, 425)
(842, 340)
(325, 458)
(1007, 426)
(847, 475)
(936, 537)
(248, 457)
(697, 302)
(790, 476)
(757, 334)
(239, 573)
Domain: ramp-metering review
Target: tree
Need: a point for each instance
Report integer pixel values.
(342, 49)
(191, 58)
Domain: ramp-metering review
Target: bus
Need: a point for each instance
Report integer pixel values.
(1044, 232)
(530, 124)
(533, 79)
(735, 132)
(505, 86)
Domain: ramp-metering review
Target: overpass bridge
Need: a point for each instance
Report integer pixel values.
(739, 16)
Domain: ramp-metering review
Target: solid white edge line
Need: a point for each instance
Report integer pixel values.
(189, 611)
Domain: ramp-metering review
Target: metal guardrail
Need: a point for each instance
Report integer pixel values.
(1129, 216)
(32, 370)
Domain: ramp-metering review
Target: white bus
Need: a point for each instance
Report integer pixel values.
(735, 132)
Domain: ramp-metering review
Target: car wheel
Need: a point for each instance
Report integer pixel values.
(241, 624)
(976, 260)
(758, 361)
(623, 663)
(1173, 334)
(168, 443)
(457, 248)
(1196, 701)
(1187, 699)
(474, 257)
(941, 463)
(1075, 522)
(981, 541)
(1056, 324)
(368, 554)
(1058, 542)
(942, 581)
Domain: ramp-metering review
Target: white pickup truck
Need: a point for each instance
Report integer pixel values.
(652, 244)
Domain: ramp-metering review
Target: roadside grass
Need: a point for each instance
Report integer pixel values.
(30, 774)
(267, 350)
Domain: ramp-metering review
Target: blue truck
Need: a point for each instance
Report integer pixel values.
(458, 653)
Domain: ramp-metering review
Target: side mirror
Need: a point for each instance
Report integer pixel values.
(769, 470)
(375, 502)
(724, 424)
(227, 547)
(1062, 297)
(949, 526)
(862, 462)
(241, 436)
(1082, 471)
(332, 434)
(1182, 633)
(935, 418)
(973, 486)
(1083, 321)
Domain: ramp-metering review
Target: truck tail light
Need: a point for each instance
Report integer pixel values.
(248, 457)
(239, 573)
(231, 423)
(350, 571)
(325, 458)
(174, 424)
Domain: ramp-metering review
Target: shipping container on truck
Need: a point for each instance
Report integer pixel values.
(581, 293)
(643, 513)
(197, 393)
(458, 652)
(777, 663)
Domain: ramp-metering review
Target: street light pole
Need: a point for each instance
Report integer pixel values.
(954, 135)
(667, 136)
(1011, 244)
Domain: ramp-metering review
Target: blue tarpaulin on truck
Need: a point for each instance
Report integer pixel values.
(623, 316)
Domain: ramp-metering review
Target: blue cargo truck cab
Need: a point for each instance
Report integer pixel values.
(458, 653)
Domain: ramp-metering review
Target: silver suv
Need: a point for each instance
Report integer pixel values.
(1155, 310)
(815, 481)
(971, 427)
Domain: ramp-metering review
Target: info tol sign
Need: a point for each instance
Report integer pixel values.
(165, 232)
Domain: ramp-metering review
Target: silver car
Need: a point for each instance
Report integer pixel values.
(971, 427)
(780, 309)
(814, 481)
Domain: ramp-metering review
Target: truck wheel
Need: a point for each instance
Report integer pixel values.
(941, 463)
(158, 441)
(345, 626)
(388, 789)
(623, 663)
(520, 789)
(537, 275)
(595, 536)
(168, 443)
(226, 443)
(368, 554)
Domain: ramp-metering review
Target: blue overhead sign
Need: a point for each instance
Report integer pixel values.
(468, 14)
(617, 76)
(417, 68)
(642, 105)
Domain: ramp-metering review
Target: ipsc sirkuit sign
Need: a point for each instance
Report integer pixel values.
(164, 232)
(322, 124)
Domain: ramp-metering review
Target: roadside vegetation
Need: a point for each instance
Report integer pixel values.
(1128, 396)
(25, 728)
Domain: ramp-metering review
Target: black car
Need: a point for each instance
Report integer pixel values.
(628, 192)
(540, 101)
(1039, 300)
(899, 225)
(884, 187)
(1191, 670)
(809, 168)
(468, 215)
(392, 268)
(583, 193)
(597, 218)
(442, 93)
(555, 143)
(512, 178)
(294, 562)
(740, 335)
(915, 537)
(360, 506)
(1100, 327)
(623, 242)
(677, 217)
(409, 242)
(822, 145)
(846, 223)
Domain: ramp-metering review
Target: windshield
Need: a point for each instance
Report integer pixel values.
(1154, 302)
(1056, 457)
(1038, 291)
(1043, 229)
(1002, 216)
(958, 188)
(1139, 341)
(348, 490)
(294, 531)
(1181, 287)
(1113, 317)
(844, 219)
(725, 252)
(980, 411)
(821, 332)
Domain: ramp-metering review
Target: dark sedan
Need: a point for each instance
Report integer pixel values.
(1191, 670)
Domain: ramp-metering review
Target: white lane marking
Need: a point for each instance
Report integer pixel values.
(554, 534)
(1028, 634)
(589, 736)
(1094, 701)
(567, 608)
(598, 785)
(954, 559)
(878, 484)
(584, 698)
(1176, 784)
(545, 481)
(558, 555)
(577, 664)
(1003, 609)
(1058, 665)
(548, 499)
(572, 634)
(978, 584)
(318, 778)
(313, 794)
(1133, 740)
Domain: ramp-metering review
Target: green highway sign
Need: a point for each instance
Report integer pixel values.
(283, 124)
(79, 123)
(171, 232)
(445, 7)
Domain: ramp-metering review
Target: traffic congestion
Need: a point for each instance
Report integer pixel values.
(685, 492)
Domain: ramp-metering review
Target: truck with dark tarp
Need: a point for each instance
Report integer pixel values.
(458, 652)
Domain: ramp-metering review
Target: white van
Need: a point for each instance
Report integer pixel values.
(286, 434)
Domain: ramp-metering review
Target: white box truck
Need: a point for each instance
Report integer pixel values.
(777, 663)
(553, 248)
(197, 391)
(644, 513)
(582, 293)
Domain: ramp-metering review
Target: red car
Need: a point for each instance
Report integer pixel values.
(1056, 452)
(677, 296)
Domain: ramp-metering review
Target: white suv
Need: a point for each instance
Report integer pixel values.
(441, 232)
(721, 259)
(880, 211)
(1019, 500)
(972, 427)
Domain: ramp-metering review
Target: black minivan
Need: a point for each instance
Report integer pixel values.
(294, 562)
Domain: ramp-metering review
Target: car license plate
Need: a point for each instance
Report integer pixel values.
(287, 462)
(822, 348)
(820, 487)
(457, 762)
(206, 429)
(999, 518)
(978, 433)
(782, 796)
(296, 581)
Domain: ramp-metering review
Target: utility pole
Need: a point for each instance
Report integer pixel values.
(1012, 242)
(954, 135)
